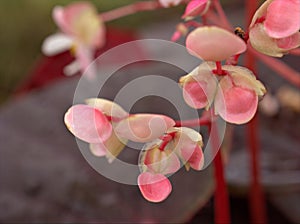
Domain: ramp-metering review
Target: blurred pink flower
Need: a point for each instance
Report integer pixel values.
(274, 29)
(181, 30)
(235, 95)
(196, 8)
(107, 126)
(162, 157)
(169, 3)
(81, 31)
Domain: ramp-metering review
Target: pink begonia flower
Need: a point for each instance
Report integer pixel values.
(107, 126)
(196, 8)
(235, 97)
(90, 122)
(82, 32)
(169, 3)
(211, 43)
(162, 156)
(274, 29)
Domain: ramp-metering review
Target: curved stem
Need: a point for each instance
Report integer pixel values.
(221, 199)
(129, 9)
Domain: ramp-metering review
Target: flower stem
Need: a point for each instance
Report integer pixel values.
(219, 70)
(221, 199)
(205, 119)
(165, 140)
(256, 196)
(222, 15)
(130, 9)
(192, 123)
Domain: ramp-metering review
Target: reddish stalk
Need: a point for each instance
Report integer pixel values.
(205, 119)
(130, 9)
(223, 18)
(219, 70)
(166, 139)
(279, 67)
(256, 196)
(193, 122)
(221, 199)
(214, 18)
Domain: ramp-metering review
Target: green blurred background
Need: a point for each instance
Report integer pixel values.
(24, 25)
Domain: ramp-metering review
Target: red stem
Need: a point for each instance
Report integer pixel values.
(130, 9)
(256, 196)
(222, 15)
(219, 70)
(205, 119)
(221, 199)
(166, 139)
(193, 123)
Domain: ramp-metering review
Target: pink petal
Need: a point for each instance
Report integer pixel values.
(260, 12)
(194, 156)
(169, 3)
(261, 42)
(235, 104)
(290, 42)
(194, 94)
(108, 107)
(181, 30)
(72, 68)
(211, 43)
(158, 161)
(245, 78)
(143, 127)
(85, 57)
(176, 36)
(98, 149)
(199, 87)
(196, 8)
(154, 187)
(111, 148)
(188, 145)
(88, 124)
(65, 17)
(283, 18)
(80, 20)
(56, 43)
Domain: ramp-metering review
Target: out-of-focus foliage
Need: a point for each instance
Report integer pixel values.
(25, 23)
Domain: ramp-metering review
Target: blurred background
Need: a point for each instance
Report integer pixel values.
(43, 176)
